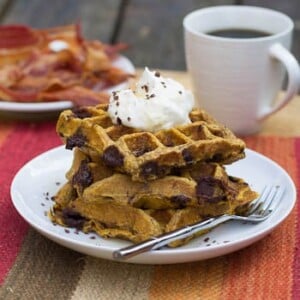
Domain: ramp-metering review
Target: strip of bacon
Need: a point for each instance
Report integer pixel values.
(113, 50)
(80, 96)
(15, 36)
(78, 72)
(17, 96)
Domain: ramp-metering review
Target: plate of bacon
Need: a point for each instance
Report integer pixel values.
(48, 70)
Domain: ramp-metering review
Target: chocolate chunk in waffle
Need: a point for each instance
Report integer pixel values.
(190, 186)
(145, 155)
(116, 206)
(86, 170)
(208, 187)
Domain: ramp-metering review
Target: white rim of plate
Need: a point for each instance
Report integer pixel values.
(163, 253)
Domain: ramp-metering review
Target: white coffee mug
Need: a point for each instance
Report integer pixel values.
(237, 79)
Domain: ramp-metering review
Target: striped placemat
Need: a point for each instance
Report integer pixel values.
(33, 267)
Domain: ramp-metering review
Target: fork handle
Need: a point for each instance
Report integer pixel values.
(166, 238)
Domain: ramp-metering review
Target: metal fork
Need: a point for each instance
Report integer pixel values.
(258, 211)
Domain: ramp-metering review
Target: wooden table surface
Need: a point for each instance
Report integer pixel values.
(152, 28)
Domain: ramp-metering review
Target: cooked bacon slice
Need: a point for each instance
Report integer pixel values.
(96, 58)
(9, 75)
(16, 36)
(17, 43)
(113, 50)
(17, 95)
(80, 96)
(78, 72)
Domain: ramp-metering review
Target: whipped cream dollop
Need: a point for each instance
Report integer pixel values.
(156, 103)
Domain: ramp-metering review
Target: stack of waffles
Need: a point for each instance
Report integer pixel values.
(134, 185)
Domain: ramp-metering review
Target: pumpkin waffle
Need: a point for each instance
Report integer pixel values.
(146, 155)
(113, 205)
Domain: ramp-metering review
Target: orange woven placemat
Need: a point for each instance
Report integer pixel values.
(33, 267)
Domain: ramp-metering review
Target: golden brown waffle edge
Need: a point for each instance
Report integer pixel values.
(115, 206)
(144, 155)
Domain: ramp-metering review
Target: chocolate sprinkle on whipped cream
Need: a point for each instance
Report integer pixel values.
(153, 104)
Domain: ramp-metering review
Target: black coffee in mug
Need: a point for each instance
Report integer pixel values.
(239, 33)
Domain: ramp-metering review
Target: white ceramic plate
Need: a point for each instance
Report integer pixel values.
(121, 62)
(40, 178)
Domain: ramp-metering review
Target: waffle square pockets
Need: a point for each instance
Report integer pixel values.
(133, 184)
(130, 183)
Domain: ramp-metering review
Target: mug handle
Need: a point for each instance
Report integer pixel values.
(293, 70)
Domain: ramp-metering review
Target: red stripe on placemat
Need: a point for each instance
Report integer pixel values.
(22, 144)
(296, 265)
